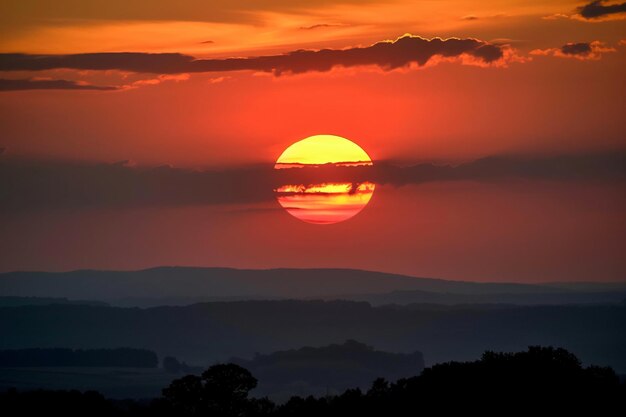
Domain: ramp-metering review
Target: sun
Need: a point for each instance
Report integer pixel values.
(318, 200)
(323, 149)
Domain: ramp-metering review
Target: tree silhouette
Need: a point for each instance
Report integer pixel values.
(221, 390)
(185, 395)
(171, 365)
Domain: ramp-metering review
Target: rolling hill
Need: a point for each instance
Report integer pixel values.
(187, 285)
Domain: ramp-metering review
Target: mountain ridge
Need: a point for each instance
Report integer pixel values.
(182, 285)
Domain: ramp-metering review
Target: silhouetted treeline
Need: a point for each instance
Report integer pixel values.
(121, 357)
(537, 381)
(58, 403)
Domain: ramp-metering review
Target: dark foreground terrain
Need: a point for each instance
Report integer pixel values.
(547, 379)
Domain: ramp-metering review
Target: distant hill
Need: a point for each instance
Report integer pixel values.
(521, 298)
(327, 370)
(184, 285)
(37, 301)
(120, 357)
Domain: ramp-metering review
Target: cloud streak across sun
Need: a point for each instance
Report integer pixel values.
(31, 185)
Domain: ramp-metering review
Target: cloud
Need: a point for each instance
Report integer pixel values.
(388, 55)
(594, 11)
(599, 8)
(490, 16)
(34, 84)
(322, 26)
(37, 184)
(599, 166)
(579, 50)
(218, 80)
(157, 80)
(556, 16)
(164, 63)
(31, 184)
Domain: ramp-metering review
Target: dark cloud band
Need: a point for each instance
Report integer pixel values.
(33, 184)
(387, 55)
(581, 48)
(598, 9)
(28, 84)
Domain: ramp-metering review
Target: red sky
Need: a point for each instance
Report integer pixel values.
(527, 79)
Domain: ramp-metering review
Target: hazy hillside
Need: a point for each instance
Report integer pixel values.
(31, 301)
(515, 298)
(181, 286)
(204, 333)
(328, 369)
(60, 357)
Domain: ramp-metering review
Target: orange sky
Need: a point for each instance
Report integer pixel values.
(555, 87)
(442, 111)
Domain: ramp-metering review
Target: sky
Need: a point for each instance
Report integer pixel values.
(144, 133)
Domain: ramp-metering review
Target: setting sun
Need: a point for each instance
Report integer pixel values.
(324, 202)
(323, 149)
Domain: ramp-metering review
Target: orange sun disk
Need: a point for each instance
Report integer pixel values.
(328, 202)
